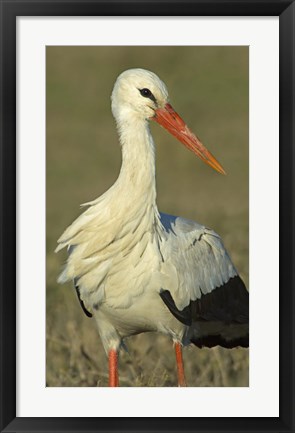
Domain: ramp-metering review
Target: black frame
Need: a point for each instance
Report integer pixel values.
(10, 9)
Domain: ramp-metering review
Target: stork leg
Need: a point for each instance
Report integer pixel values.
(179, 363)
(113, 368)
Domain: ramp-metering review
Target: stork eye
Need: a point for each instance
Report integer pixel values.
(146, 93)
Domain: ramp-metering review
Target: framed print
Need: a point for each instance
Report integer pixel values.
(231, 67)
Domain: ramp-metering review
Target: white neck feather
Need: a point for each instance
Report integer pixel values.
(125, 218)
(138, 161)
(135, 187)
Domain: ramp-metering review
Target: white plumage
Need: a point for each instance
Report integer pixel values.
(128, 260)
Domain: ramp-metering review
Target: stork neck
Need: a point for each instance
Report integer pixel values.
(138, 159)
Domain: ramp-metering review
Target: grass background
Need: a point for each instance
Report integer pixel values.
(208, 87)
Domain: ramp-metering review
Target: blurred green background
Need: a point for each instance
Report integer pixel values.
(208, 87)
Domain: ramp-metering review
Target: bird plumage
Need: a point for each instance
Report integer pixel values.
(138, 270)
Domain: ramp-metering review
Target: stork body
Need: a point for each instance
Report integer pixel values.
(137, 270)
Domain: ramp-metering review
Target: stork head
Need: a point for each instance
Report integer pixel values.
(139, 95)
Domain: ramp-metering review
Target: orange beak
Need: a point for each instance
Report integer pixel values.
(170, 120)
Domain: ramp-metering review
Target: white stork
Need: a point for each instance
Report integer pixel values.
(138, 270)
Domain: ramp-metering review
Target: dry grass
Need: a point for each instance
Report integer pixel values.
(209, 87)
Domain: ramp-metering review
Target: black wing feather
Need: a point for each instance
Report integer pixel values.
(228, 304)
(88, 314)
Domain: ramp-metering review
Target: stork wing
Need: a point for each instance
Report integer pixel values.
(205, 286)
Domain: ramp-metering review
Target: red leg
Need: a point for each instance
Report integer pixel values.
(179, 363)
(113, 368)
